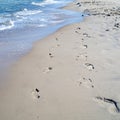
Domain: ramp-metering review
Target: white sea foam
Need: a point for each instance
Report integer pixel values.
(46, 2)
(26, 12)
(56, 21)
(42, 25)
(6, 25)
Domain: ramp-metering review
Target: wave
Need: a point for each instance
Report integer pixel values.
(8, 21)
(46, 2)
(42, 25)
(56, 21)
(26, 12)
(6, 25)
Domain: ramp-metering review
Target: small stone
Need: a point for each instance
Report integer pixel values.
(50, 68)
(107, 30)
(38, 96)
(37, 90)
(50, 54)
(108, 15)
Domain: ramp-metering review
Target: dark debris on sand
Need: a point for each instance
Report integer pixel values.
(108, 100)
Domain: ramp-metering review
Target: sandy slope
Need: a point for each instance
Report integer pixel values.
(71, 75)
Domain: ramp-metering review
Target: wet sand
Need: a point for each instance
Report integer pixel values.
(72, 74)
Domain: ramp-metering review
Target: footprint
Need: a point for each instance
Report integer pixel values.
(82, 39)
(78, 4)
(54, 47)
(82, 56)
(58, 45)
(110, 104)
(89, 66)
(77, 58)
(56, 39)
(86, 12)
(107, 30)
(78, 28)
(77, 32)
(50, 54)
(86, 82)
(84, 46)
(46, 70)
(36, 93)
(86, 35)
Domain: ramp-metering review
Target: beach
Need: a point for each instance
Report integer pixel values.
(73, 74)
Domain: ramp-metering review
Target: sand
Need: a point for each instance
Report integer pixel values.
(72, 74)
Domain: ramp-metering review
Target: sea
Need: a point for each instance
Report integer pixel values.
(22, 22)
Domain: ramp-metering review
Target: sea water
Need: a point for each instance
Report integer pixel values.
(22, 22)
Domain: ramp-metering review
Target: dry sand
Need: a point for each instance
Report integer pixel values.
(72, 74)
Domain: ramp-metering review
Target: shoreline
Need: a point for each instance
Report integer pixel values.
(17, 41)
(71, 74)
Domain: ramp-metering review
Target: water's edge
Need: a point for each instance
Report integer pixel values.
(18, 42)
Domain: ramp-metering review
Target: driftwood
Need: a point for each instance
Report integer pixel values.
(110, 101)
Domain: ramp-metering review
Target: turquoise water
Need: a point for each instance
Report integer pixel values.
(22, 22)
(19, 13)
